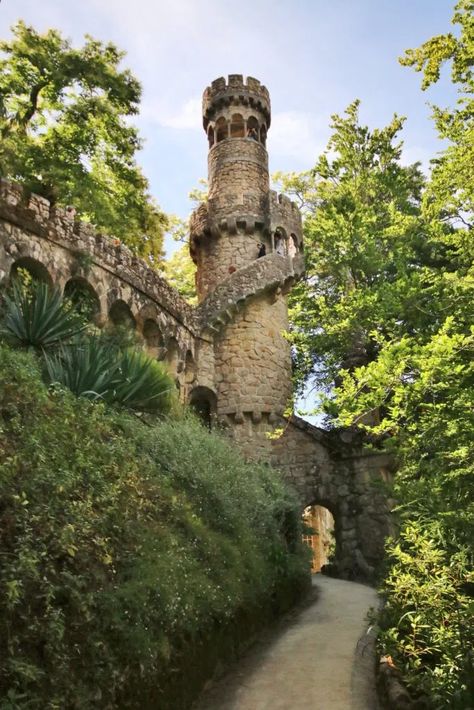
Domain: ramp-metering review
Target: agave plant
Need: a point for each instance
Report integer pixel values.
(87, 367)
(95, 369)
(36, 316)
(144, 383)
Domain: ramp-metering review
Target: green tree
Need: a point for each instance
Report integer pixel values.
(450, 191)
(65, 133)
(365, 246)
(416, 370)
(179, 271)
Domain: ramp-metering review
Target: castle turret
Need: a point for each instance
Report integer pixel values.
(246, 242)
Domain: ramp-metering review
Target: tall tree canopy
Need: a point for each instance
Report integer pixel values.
(451, 187)
(65, 133)
(365, 247)
(387, 312)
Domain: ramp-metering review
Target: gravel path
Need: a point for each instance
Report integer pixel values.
(322, 660)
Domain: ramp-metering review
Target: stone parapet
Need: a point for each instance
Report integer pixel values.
(237, 91)
(199, 224)
(285, 214)
(58, 225)
(265, 274)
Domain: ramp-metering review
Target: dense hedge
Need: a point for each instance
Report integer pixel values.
(128, 553)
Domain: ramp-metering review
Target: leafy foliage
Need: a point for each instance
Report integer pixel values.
(143, 383)
(386, 314)
(124, 546)
(365, 247)
(109, 366)
(179, 271)
(87, 368)
(450, 191)
(65, 133)
(427, 619)
(36, 316)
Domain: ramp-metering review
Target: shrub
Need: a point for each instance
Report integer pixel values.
(143, 383)
(427, 619)
(124, 547)
(87, 368)
(95, 369)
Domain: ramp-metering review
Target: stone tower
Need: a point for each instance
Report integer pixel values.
(247, 244)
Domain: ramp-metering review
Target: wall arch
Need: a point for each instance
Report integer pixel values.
(280, 242)
(293, 246)
(153, 339)
(222, 129)
(83, 297)
(204, 403)
(35, 269)
(120, 315)
(237, 126)
(253, 128)
(190, 369)
(172, 356)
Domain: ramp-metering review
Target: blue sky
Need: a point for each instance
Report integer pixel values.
(315, 57)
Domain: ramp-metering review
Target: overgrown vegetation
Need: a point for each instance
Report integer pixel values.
(107, 366)
(124, 547)
(65, 133)
(386, 313)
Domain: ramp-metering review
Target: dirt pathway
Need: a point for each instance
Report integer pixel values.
(322, 660)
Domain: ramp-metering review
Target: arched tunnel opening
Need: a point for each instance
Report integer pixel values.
(319, 535)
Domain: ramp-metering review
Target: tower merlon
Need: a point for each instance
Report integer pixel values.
(235, 91)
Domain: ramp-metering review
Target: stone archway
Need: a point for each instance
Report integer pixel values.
(353, 484)
(83, 297)
(204, 403)
(34, 268)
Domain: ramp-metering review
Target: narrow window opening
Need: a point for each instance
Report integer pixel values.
(253, 128)
(237, 126)
(222, 130)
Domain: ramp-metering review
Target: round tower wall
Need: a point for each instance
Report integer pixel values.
(253, 360)
(218, 258)
(238, 179)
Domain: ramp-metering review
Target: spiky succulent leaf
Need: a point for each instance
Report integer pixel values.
(37, 316)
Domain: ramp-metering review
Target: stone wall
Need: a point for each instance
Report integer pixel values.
(352, 483)
(253, 365)
(37, 236)
(238, 179)
(220, 257)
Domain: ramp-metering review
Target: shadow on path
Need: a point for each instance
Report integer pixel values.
(322, 660)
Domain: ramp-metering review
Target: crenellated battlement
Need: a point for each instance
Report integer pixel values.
(59, 226)
(282, 202)
(236, 90)
(285, 217)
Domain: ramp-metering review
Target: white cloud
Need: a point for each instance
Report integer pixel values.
(296, 135)
(188, 116)
(158, 112)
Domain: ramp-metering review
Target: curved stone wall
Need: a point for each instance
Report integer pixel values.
(253, 363)
(33, 233)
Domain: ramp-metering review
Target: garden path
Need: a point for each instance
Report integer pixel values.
(322, 660)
